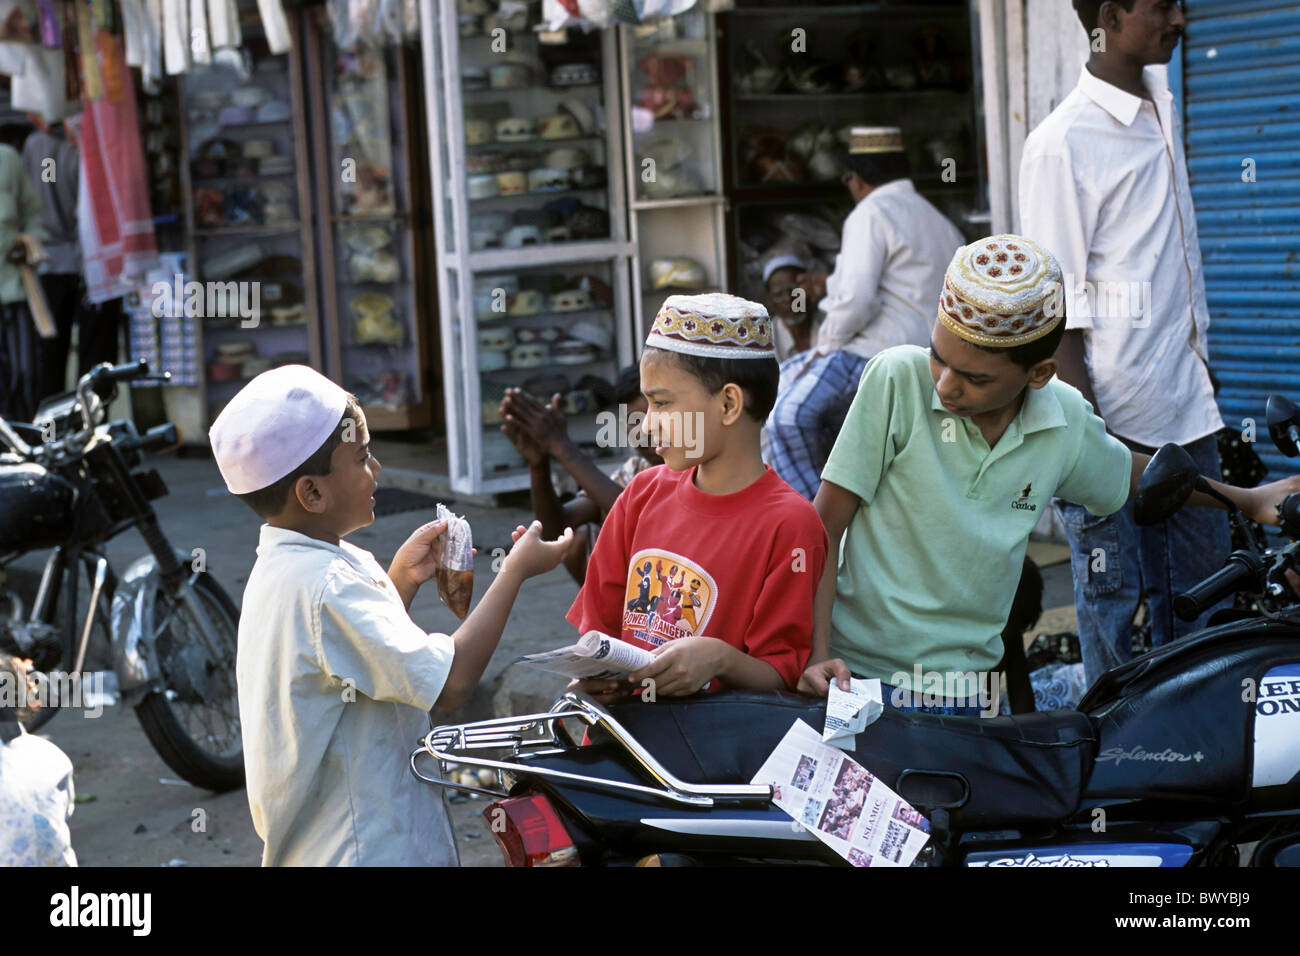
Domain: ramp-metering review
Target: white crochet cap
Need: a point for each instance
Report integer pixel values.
(275, 423)
(782, 262)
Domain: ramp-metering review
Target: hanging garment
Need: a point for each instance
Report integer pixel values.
(71, 63)
(110, 65)
(223, 24)
(151, 72)
(13, 58)
(48, 14)
(114, 219)
(92, 80)
(275, 24)
(133, 31)
(200, 47)
(40, 87)
(176, 36)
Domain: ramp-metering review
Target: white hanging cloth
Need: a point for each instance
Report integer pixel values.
(275, 24)
(151, 71)
(200, 48)
(133, 32)
(39, 86)
(223, 23)
(176, 36)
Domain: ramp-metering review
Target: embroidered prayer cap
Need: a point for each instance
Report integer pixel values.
(274, 424)
(875, 139)
(1002, 291)
(715, 325)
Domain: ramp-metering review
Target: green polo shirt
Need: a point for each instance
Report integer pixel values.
(930, 561)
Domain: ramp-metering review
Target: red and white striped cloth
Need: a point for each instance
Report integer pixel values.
(114, 219)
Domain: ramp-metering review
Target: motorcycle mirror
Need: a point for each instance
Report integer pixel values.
(1284, 424)
(1167, 482)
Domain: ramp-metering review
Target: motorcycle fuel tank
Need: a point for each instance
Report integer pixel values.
(36, 508)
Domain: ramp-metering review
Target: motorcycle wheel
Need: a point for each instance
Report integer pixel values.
(194, 722)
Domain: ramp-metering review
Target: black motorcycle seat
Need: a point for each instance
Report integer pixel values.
(1026, 768)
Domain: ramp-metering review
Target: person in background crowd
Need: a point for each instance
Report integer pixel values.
(795, 330)
(539, 433)
(1103, 185)
(52, 164)
(894, 249)
(20, 212)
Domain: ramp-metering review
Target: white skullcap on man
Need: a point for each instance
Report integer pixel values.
(274, 424)
(783, 261)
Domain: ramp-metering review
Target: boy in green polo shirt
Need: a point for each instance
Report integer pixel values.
(942, 468)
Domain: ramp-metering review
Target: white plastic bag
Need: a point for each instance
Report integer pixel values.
(455, 573)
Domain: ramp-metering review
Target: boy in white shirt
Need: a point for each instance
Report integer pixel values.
(335, 680)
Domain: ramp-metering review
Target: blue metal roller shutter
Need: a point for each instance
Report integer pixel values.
(1241, 99)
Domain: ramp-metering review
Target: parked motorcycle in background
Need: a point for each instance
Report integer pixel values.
(70, 484)
(1186, 756)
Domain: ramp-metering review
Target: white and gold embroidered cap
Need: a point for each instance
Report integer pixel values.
(713, 324)
(274, 424)
(1002, 291)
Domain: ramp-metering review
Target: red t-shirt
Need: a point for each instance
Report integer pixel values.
(673, 561)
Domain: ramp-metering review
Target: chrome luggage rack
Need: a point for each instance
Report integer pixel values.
(542, 734)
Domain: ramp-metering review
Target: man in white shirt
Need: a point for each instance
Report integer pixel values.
(893, 253)
(1103, 185)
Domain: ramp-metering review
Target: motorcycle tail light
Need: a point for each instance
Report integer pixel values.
(530, 832)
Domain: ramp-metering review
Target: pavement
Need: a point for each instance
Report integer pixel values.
(133, 810)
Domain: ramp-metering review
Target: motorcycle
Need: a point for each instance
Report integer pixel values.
(1186, 756)
(70, 484)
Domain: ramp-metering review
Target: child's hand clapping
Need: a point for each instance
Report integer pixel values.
(530, 555)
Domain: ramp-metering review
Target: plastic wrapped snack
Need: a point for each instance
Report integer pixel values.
(455, 574)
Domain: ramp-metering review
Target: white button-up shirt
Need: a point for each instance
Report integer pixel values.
(335, 684)
(1103, 186)
(885, 287)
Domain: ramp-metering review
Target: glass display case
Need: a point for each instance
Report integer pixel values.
(531, 244)
(797, 79)
(369, 272)
(674, 159)
(246, 201)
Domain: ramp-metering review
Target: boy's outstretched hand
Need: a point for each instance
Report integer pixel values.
(530, 555)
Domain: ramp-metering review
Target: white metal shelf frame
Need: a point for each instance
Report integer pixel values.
(716, 199)
(457, 265)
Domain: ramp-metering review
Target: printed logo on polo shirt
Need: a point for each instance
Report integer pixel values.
(667, 597)
(1023, 503)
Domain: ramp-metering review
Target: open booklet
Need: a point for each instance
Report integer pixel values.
(844, 805)
(596, 656)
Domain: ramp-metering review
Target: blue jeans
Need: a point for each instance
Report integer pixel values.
(1116, 563)
(951, 706)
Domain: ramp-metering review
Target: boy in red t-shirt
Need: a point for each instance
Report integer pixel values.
(709, 560)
